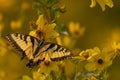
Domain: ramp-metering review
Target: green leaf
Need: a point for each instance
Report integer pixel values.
(53, 14)
(61, 28)
(39, 12)
(51, 1)
(36, 5)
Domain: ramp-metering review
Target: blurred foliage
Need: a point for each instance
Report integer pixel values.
(72, 24)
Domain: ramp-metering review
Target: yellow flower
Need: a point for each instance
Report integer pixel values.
(65, 41)
(37, 33)
(76, 30)
(91, 78)
(59, 41)
(16, 24)
(25, 77)
(35, 76)
(99, 62)
(44, 30)
(41, 21)
(89, 53)
(47, 66)
(102, 3)
(39, 76)
(116, 46)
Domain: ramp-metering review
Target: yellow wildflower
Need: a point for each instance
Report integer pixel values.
(102, 3)
(41, 21)
(47, 65)
(76, 30)
(59, 41)
(39, 76)
(99, 62)
(116, 46)
(89, 53)
(35, 76)
(65, 41)
(25, 77)
(44, 30)
(91, 78)
(16, 24)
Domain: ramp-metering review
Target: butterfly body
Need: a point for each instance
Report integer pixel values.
(35, 50)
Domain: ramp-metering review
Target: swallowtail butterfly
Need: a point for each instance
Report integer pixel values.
(35, 50)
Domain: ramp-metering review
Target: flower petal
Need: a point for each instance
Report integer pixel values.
(91, 66)
(93, 3)
(102, 3)
(41, 22)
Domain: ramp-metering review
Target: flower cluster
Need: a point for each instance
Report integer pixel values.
(97, 60)
(94, 62)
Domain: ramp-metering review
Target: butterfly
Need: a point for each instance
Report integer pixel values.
(35, 50)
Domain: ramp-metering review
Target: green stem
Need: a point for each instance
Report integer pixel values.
(46, 12)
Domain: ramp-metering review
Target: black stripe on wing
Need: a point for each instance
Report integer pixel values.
(32, 41)
(23, 43)
(50, 46)
(40, 45)
(14, 44)
(61, 58)
(57, 52)
(61, 54)
(25, 38)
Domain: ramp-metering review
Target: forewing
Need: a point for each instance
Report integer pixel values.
(24, 43)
